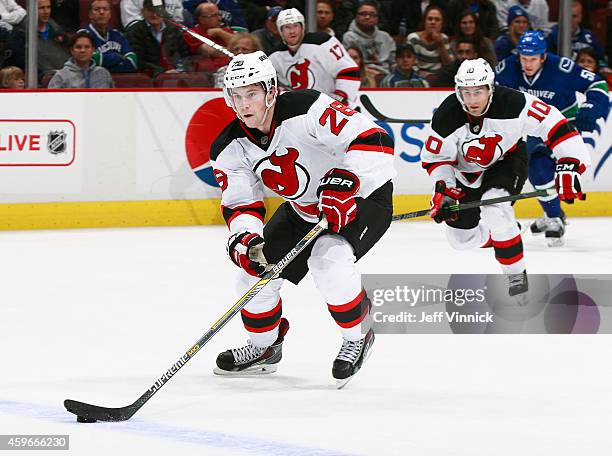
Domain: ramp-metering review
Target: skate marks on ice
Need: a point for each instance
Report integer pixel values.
(178, 434)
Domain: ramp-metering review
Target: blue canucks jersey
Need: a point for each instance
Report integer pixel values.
(113, 51)
(556, 84)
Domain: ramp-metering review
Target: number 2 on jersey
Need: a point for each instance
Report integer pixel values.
(330, 113)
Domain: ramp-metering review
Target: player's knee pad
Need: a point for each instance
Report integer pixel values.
(500, 215)
(331, 262)
(541, 167)
(472, 238)
(266, 299)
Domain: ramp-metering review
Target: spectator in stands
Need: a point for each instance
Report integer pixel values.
(209, 26)
(159, 46)
(484, 10)
(269, 35)
(430, 44)
(581, 38)
(468, 27)
(536, 9)
(131, 11)
(52, 41)
(325, 16)
(404, 75)
(406, 16)
(587, 59)
(80, 71)
(377, 47)
(369, 75)
(240, 43)
(518, 23)
(12, 34)
(465, 50)
(230, 11)
(66, 14)
(12, 77)
(113, 51)
(11, 15)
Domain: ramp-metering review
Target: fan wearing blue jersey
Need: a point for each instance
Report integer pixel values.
(555, 80)
(113, 51)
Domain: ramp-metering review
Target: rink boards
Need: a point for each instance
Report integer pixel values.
(141, 158)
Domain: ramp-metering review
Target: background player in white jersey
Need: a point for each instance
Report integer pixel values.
(314, 60)
(475, 151)
(323, 158)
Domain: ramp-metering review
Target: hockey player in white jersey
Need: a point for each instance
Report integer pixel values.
(324, 159)
(314, 60)
(475, 150)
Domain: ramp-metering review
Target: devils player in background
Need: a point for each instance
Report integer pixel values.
(475, 151)
(314, 60)
(323, 158)
(554, 80)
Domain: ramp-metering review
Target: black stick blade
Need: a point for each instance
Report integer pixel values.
(93, 412)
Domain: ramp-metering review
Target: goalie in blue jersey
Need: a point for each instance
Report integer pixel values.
(555, 80)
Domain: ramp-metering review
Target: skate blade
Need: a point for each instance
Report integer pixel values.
(341, 382)
(252, 371)
(555, 242)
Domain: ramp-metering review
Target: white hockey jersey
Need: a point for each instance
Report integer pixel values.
(311, 134)
(461, 147)
(320, 63)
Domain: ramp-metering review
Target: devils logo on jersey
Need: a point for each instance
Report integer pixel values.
(283, 174)
(300, 75)
(483, 151)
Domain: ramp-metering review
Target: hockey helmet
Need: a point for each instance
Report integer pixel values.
(532, 42)
(247, 69)
(474, 73)
(289, 16)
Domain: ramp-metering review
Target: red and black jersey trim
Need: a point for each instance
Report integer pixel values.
(256, 209)
(471, 177)
(262, 322)
(373, 140)
(560, 132)
(353, 312)
(429, 167)
(352, 74)
(510, 251)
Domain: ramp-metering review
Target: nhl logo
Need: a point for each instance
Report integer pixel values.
(56, 142)
(264, 140)
(476, 128)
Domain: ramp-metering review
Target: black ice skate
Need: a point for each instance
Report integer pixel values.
(352, 355)
(251, 360)
(518, 286)
(552, 227)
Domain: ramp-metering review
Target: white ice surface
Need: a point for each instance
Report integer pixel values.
(98, 315)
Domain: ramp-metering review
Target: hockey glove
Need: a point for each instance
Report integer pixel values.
(586, 119)
(440, 201)
(567, 179)
(336, 194)
(246, 251)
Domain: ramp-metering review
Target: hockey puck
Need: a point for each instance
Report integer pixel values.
(82, 419)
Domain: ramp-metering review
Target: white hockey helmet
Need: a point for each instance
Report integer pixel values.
(289, 16)
(474, 73)
(247, 69)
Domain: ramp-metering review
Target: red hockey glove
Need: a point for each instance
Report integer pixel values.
(336, 194)
(441, 199)
(246, 251)
(567, 180)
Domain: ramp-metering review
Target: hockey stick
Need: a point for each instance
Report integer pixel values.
(161, 11)
(473, 204)
(367, 104)
(87, 413)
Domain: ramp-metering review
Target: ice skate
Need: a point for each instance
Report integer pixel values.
(352, 355)
(518, 285)
(251, 360)
(552, 227)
